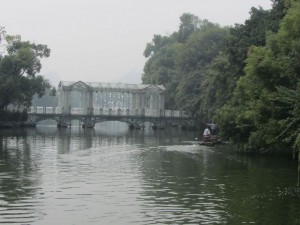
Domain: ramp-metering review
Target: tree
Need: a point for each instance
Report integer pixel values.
(160, 66)
(193, 64)
(257, 110)
(189, 24)
(19, 67)
(162, 54)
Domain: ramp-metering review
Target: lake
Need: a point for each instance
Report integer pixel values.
(113, 175)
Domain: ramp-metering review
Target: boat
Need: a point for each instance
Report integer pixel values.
(208, 142)
(211, 141)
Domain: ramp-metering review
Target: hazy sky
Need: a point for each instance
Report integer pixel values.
(104, 40)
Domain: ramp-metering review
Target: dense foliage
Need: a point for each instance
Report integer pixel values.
(258, 114)
(245, 77)
(19, 68)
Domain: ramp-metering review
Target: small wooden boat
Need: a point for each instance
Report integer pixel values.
(211, 141)
(208, 142)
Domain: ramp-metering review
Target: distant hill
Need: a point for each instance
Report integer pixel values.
(46, 101)
(132, 77)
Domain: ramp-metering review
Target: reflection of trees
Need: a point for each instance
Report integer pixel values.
(19, 177)
(24, 153)
(176, 185)
(262, 189)
(211, 186)
(149, 137)
(180, 184)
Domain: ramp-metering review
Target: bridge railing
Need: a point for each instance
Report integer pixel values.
(107, 112)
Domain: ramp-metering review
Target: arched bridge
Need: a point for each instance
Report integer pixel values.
(90, 116)
(91, 102)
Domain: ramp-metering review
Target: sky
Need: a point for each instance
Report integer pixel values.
(104, 40)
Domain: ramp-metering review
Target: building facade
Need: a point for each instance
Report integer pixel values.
(94, 95)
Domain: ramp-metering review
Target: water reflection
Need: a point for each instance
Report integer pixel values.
(177, 188)
(19, 178)
(112, 175)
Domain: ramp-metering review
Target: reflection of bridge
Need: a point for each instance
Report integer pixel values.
(91, 103)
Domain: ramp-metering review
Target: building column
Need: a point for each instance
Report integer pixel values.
(162, 101)
(65, 101)
(134, 96)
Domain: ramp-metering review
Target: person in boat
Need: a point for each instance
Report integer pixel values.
(206, 134)
(212, 128)
(213, 132)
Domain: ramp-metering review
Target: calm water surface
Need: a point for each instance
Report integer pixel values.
(111, 175)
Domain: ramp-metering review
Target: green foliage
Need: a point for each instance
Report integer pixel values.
(241, 77)
(160, 66)
(14, 116)
(19, 66)
(167, 56)
(262, 109)
(194, 64)
(180, 62)
(253, 33)
(291, 100)
(189, 24)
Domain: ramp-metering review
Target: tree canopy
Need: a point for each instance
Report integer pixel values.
(20, 63)
(258, 111)
(245, 77)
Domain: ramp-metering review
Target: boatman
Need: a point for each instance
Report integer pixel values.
(206, 134)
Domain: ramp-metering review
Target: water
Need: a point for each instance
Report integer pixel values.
(110, 175)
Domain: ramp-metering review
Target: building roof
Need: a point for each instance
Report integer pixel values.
(110, 86)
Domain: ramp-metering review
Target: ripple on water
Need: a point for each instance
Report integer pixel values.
(87, 177)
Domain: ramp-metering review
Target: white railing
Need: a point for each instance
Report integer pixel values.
(107, 112)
